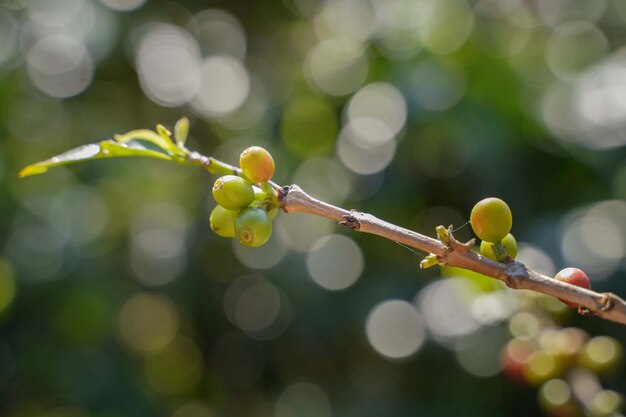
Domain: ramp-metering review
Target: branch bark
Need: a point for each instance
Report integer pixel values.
(515, 275)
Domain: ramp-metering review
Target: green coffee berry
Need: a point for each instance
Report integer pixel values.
(233, 193)
(257, 164)
(491, 219)
(509, 243)
(253, 227)
(223, 221)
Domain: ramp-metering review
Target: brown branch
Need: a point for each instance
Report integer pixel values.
(515, 275)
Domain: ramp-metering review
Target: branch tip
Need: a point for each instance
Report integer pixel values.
(459, 246)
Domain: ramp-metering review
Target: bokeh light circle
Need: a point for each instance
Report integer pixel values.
(535, 258)
(336, 66)
(445, 25)
(324, 178)
(9, 34)
(379, 102)
(348, 18)
(437, 85)
(574, 46)
(335, 262)
(396, 30)
(555, 12)
(224, 87)
(447, 309)
(252, 303)
(60, 66)
(594, 239)
(220, 33)
(147, 322)
(369, 153)
(302, 399)
(167, 59)
(302, 231)
(555, 392)
(123, 5)
(37, 252)
(480, 356)
(395, 329)
(589, 111)
(158, 252)
(79, 213)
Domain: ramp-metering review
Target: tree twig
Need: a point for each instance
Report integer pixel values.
(515, 275)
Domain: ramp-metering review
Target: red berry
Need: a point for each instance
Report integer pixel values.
(573, 276)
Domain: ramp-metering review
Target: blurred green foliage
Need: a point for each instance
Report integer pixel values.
(117, 300)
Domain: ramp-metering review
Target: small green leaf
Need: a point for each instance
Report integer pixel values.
(442, 234)
(164, 132)
(33, 169)
(181, 130)
(430, 260)
(162, 141)
(109, 148)
(104, 149)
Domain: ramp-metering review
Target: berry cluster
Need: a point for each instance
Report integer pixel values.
(246, 205)
(491, 220)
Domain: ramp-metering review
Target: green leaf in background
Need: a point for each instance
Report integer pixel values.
(105, 149)
(127, 144)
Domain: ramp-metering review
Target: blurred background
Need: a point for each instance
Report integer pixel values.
(117, 300)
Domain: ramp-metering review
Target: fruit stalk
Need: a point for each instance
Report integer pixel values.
(215, 166)
(515, 275)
